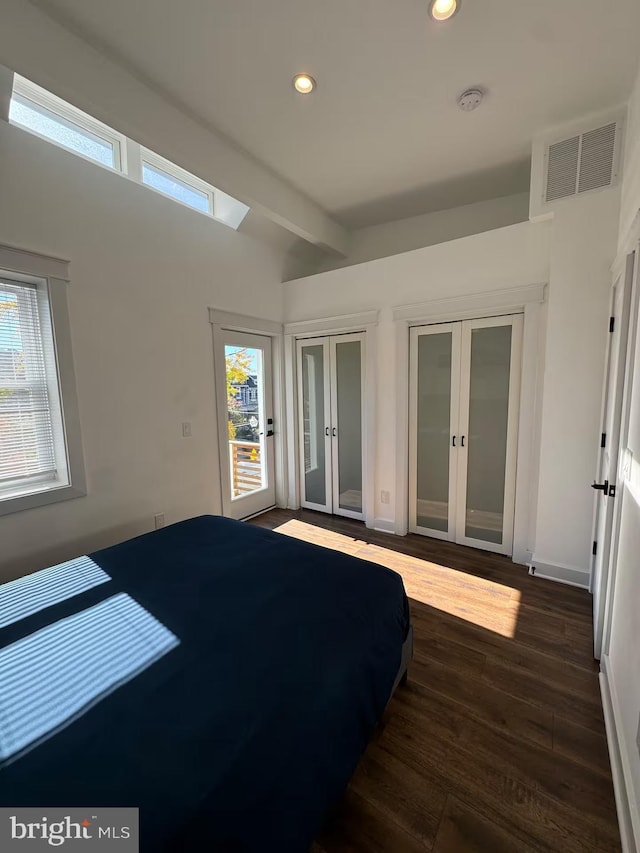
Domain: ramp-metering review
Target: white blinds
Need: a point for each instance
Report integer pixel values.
(27, 448)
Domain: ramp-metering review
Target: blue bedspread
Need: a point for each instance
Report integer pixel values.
(242, 735)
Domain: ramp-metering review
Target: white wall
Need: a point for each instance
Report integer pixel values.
(416, 232)
(623, 665)
(508, 257)
(144, 271)
(583, 247)
(573, 253)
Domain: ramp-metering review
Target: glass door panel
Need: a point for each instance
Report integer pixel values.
(348, 396)
(314, 420)
(245, 418)
(487, 433)
(245, 422)
(434, 417)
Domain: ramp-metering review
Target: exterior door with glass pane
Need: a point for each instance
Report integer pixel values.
(330, 377)
(245, 422)
(464, 404)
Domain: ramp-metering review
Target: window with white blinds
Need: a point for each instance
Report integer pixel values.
(32, 454)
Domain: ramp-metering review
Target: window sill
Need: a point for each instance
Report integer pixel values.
(35, 499)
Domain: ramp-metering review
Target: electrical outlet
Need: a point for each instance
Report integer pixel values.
(186, 429)
(385, 497)
(159, 520)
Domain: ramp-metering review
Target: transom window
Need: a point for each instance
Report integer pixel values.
(49, 117)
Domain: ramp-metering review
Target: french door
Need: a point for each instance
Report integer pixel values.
(330, 388)
(245, 422)
(464, 403)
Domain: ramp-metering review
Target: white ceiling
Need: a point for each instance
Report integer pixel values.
(382, 137)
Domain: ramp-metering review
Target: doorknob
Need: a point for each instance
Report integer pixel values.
(601, 487)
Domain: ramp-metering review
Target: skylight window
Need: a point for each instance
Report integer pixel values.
(170, 180)
(40, 112)
(49, 117)
(64, 133)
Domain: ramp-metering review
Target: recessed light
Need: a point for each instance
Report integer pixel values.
(304, 83)
(442, 10)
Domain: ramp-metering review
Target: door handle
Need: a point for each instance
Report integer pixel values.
(453, 441)
(601, 487)
(462, 442)
(333, 432)
(269, 433)
(326, 432)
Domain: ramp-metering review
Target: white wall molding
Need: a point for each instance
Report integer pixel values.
(384, 525)
(27, 263)
(626, 801)
(244, 323)
(571, 575)
(471, 306)
(332, 325)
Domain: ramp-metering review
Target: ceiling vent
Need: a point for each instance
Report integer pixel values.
(584, 158)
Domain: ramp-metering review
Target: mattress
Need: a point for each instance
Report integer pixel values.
(238, 676)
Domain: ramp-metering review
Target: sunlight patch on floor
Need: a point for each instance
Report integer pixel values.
(485, 603)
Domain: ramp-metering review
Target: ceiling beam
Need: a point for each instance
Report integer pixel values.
(41, 49)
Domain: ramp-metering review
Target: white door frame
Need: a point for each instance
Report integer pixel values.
(225, 320)
(366, 322)
(612, 396)
(529, 300)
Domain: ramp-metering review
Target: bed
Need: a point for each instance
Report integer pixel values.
(223, 678)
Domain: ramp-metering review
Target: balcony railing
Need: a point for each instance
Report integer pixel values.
(246, 467)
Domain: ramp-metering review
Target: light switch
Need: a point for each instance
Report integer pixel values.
(186, 429)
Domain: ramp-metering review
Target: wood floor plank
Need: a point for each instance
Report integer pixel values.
(464, 830)
(544, 694)
(492, 706)
(400, 793)
(582, 745)
(497, 742)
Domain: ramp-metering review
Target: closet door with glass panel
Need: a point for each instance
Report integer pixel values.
(464, 403)
(330, 376)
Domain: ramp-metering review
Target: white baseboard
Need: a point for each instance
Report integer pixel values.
(626, 803)
(384, 525)
(559, 572)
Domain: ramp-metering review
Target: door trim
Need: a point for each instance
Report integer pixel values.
(529, 299)
(232, 322)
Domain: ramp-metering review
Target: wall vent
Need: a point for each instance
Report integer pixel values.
(585, 158)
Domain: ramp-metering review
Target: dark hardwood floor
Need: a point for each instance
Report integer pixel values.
(497, 741)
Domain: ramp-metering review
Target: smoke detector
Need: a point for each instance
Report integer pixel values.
(470, 100)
